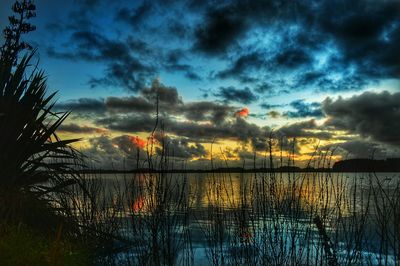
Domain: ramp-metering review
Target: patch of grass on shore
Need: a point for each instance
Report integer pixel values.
(19, 245)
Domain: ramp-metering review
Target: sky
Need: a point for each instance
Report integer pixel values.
(312, 75)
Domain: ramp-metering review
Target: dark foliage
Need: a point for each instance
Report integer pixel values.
(34, 162)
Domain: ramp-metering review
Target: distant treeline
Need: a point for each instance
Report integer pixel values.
(351, 165)
(367, 165)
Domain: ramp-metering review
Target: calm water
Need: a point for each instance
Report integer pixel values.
(233, 191)
(254, 218)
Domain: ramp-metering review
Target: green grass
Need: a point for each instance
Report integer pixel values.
(19, 245)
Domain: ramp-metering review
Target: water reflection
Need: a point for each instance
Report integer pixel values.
(238, 191)
(256, 219)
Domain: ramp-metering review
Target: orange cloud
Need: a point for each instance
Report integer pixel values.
(243, 112)
(141, 143)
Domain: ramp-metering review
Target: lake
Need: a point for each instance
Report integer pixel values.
(252, 218)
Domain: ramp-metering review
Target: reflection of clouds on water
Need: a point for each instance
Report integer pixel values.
(248, 219)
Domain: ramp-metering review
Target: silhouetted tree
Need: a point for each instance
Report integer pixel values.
(34, 162)
(23, 11)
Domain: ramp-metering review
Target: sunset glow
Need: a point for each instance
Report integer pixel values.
(243, 112)
(140, 143)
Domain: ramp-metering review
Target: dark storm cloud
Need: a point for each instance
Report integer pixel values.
(82, 105)
(268, 106)
(185, 68)
(207, 111)
(371, 115)
(303, 109)
(349, 80)
(360, 39)
(238, 129)
(221, 28)
(264, 88)
(75, 128)
(90, 4)
(226, 22)
(94, 47)
(320, 45)
(305, 129)
(192, 75)
(201, 131)
(135, 16)
(129, 61)
(310, 77)
(347, 83)
(180, 148)
(164, 94)
(178, 29)
(367, 33)
(231, 94)
(235, 128)
(168, 100)
(132, 123)
(251, 67)
(138, 46)
(235, 22)
(170, 103)
(129, 104)
(242, 65)
(360, 149)
(123, 68)
(292, 58)
(121, 75)
(173, 63)
(85, 106)
(274, 114)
